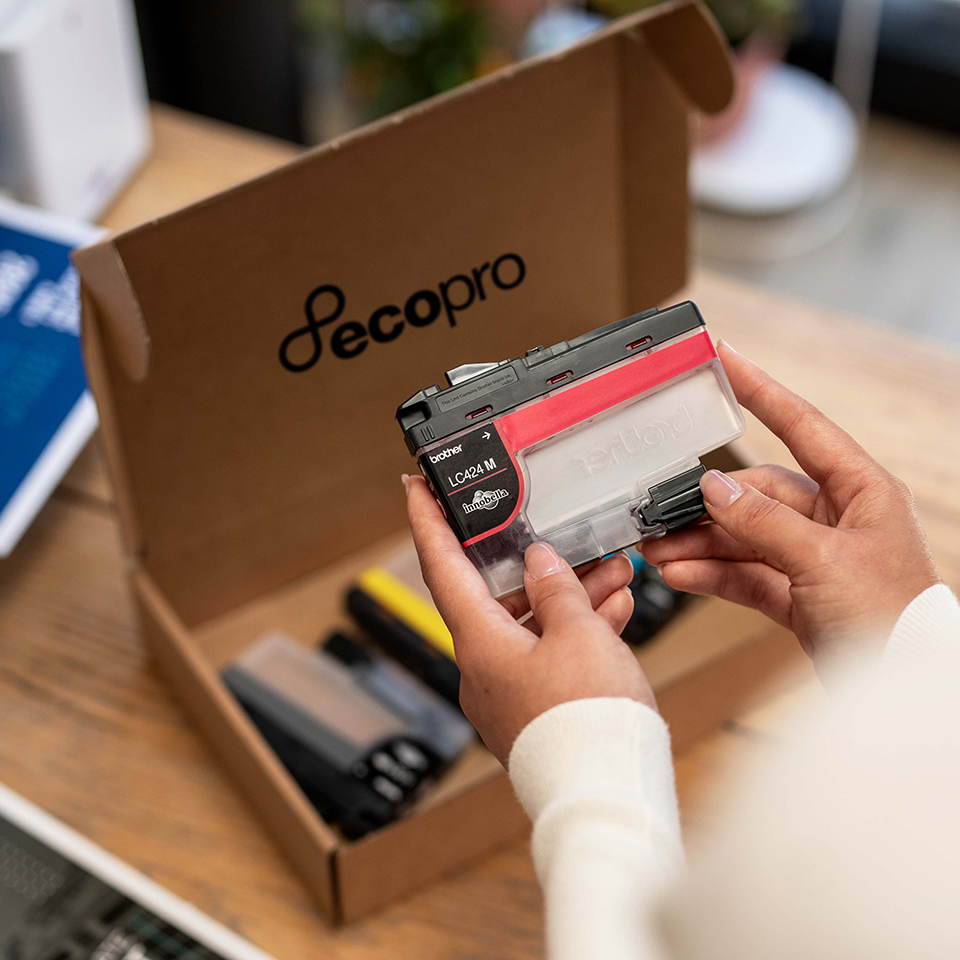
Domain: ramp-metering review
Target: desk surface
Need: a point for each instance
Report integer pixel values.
(90, 732)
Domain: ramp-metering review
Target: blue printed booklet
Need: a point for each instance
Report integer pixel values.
(46, 411)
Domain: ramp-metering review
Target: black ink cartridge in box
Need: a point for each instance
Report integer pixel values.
(591, 445)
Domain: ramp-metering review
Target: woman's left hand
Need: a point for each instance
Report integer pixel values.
(568, 649)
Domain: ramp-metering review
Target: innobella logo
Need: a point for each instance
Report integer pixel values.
(485, 500)
(303, 347)
(630, 443)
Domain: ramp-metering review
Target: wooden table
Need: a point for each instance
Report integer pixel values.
(90, 732)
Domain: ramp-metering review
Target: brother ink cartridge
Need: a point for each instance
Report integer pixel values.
(591, 444)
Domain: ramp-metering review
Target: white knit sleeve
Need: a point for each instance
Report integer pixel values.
(596, 778)
(928, 628)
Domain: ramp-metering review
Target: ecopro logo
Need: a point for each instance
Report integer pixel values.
(485, 500)
(302, 348)
(633, 441)
(443, 454)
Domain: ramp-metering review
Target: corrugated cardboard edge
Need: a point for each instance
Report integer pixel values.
(274, 795)
(96, 369)
(108, 286)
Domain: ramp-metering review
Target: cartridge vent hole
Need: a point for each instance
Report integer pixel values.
(560, 376)
(479, 413)
(642, 342)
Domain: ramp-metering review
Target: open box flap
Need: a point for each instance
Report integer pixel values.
(692, 48)
(520, 209)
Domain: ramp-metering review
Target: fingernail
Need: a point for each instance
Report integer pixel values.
(723, 343)
(405, 480)
(661, 567)
(719, 490)
(541, 561)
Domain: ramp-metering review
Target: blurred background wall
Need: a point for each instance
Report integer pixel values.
(254, 62)
(234, 60)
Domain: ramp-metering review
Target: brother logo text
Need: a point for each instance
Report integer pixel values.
(443, 454)
(632, 442)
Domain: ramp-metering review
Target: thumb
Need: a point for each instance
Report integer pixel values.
(759, 522)
(555, 592)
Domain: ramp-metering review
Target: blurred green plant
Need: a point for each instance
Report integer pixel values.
(739, 19)
(397, 52)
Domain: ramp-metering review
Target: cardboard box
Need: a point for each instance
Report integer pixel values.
(248, 352)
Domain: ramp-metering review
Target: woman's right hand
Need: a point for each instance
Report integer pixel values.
(835, 553)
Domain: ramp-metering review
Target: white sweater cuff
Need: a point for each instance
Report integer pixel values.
(600, 760)
(583, 745)
(927, 629)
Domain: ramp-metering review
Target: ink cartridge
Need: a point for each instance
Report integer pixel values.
(361, 737)
(591, 444)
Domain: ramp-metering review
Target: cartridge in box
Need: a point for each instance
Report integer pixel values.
(591, 444)
(360, 736)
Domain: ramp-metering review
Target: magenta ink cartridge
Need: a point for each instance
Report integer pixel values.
(591, 445)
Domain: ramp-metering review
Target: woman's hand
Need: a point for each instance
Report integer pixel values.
(569, 648)
(835, 555)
